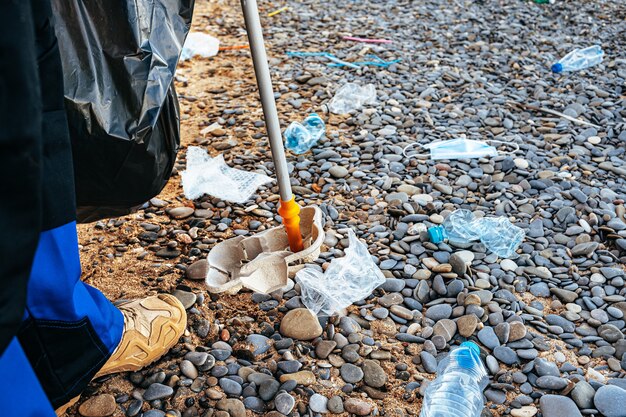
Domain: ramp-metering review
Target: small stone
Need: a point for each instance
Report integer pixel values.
(234, 407)
(302, 378)
(230, 387)
(488, 338)
(583, 394)
(558, 406)
(351, 373)
(187, 299)
(335, 405)
(358, 407)
(157, 391)
(198, 270)
(445, 328)
(99, 406)
(439, 312)
(373, 374)
(261, 344)
(188, 369)
(506, 355)
(551, 382)
(517, 331)
(284, 403)
(180, 212)
(526, 411)
(467, 325)
(300, 324)
(611, 401)
(520, 163)
(338, 171)
(268, 389)
(324, 348)
(318, 403)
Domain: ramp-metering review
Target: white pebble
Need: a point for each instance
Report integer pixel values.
(594, 140)
(508, 265)
(520, 163)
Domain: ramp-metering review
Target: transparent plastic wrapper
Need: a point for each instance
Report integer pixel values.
(347, 279)
(352, 97)
(498, 234)
(206, 175)
(199, 44)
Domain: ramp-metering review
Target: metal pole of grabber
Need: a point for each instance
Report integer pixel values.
(289, 210)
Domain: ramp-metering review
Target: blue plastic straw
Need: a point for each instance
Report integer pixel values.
(336, 62)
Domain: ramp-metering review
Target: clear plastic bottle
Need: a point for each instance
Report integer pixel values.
(579, 59)
(498, 234)
(300, 137)
(458, 389)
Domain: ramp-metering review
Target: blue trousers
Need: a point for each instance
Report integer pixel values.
(56, 332)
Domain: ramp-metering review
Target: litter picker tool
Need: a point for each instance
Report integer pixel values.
(289, 210)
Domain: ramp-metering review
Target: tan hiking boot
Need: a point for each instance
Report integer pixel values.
(151, 327)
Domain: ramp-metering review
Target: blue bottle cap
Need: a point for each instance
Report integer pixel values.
(466, 358)
(437, 234)
(557, 68)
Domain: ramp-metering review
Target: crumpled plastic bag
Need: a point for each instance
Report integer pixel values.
(201, 44)
(206, 175)
(347, 279)
(352, 96)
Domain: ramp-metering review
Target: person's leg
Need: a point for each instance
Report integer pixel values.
(21, 393)
(71, 332)
(20, 208)
(70, 329)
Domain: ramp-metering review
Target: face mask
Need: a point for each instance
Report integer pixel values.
(459, 149)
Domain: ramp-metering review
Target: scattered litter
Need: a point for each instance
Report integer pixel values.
(275, 12)
(199, 44)
(206, 175)
(460, 148)
(336, 62)
(553, 112)
(347, 279)
(498, 234)
(300, 137)
(352, 96)
(544, 1)
(579, 59)
(458, 389)
(365, 40)
(234, 47)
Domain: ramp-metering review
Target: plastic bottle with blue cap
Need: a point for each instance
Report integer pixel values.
(579, 59)
(498, 234)
(458, 389)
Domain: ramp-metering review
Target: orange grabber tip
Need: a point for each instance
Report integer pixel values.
(290, 212)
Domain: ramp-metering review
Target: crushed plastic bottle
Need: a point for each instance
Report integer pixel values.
(498, 234)
(458, 389)
(300, 137)
(352, 96)
(579, 59)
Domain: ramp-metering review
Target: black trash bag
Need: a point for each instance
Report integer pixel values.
(119, 59)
